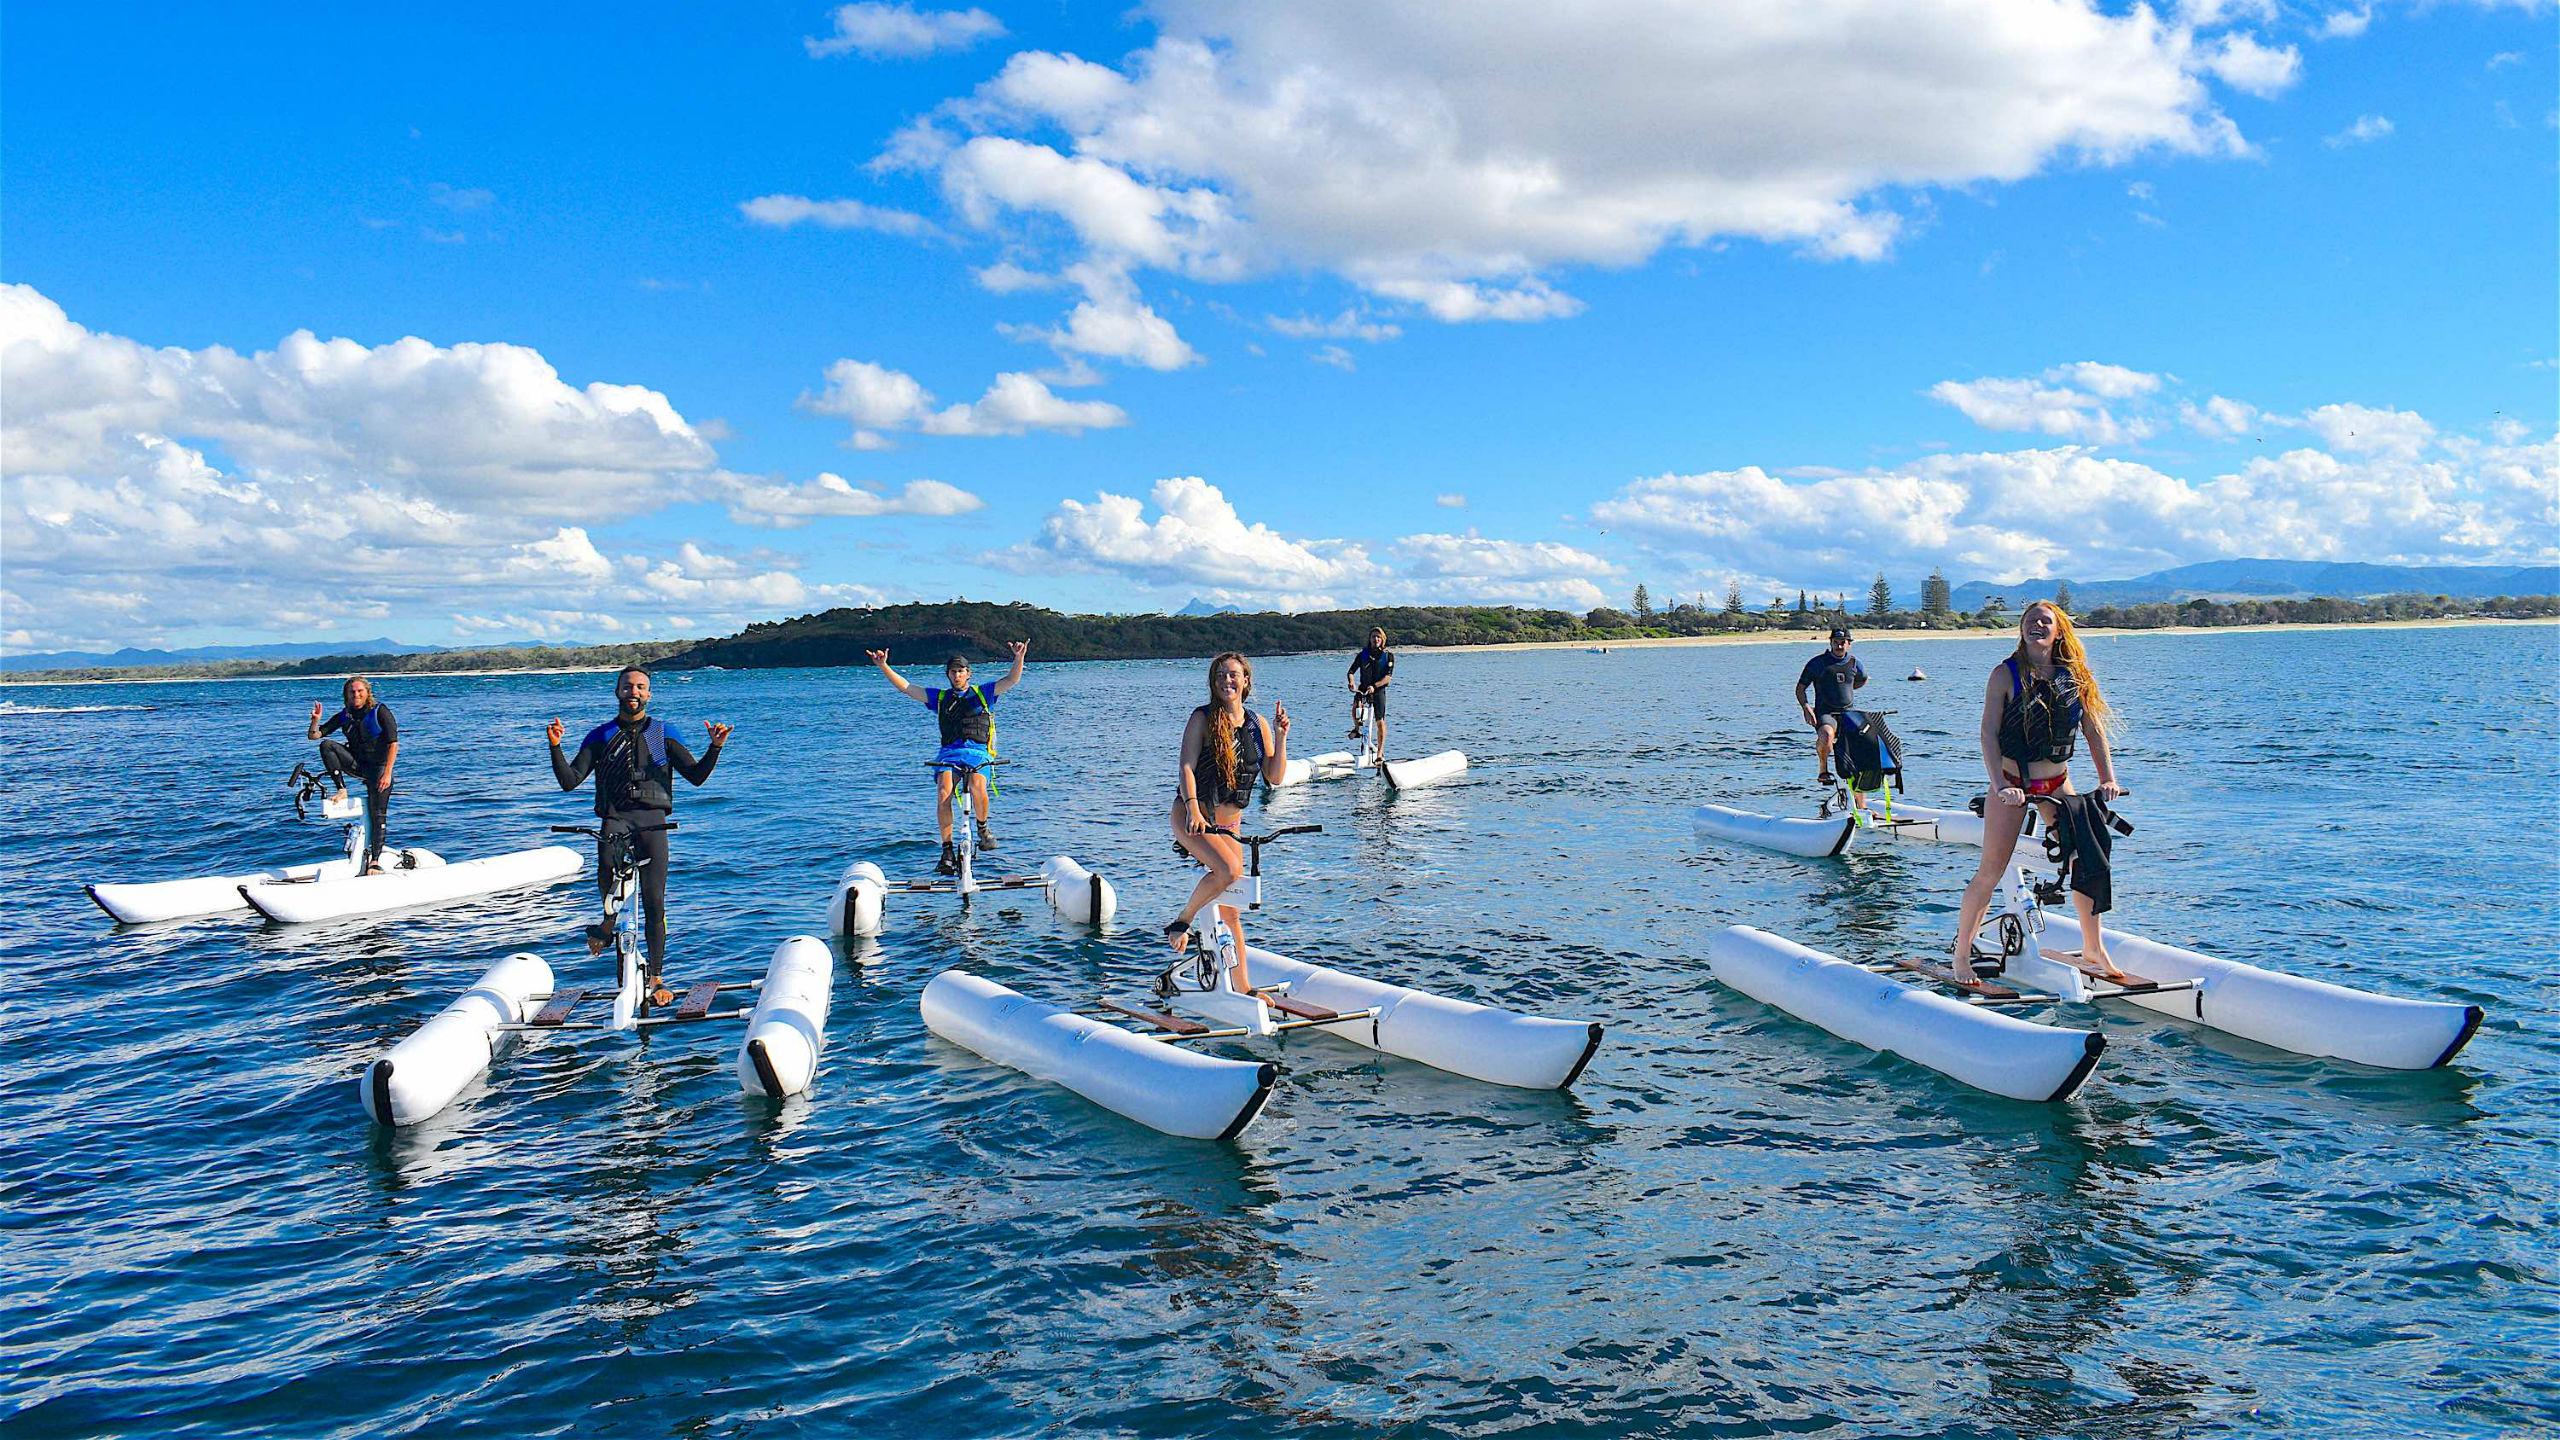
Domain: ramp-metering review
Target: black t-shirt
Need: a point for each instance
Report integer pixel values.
(1373, 665)
(370, 732)
(1835, 682)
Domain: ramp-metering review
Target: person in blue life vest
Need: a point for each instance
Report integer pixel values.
(371, 747)
(1827, 688)
(1371, 672)
(966, 713)
(635, 757)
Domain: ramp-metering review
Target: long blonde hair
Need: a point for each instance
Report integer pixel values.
(1221, 740)
(2067, 655)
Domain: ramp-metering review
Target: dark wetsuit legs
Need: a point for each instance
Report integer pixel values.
(342, 765)
(650, 848)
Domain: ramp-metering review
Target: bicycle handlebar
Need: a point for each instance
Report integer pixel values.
(599, 833)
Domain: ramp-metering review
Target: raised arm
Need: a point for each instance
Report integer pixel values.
(905, 687)
(1275, 744)
(682, 759)
(570, 773)
(1012, 677)
(315, 720)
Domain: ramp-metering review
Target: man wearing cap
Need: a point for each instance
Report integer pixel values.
(1828, 686)
(966, 713)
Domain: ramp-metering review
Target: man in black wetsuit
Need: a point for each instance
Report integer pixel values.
(635, 758)
(371, 746)
(1826, 689)
(1372, 670)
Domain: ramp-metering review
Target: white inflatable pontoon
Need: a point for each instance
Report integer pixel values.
(296, 902)
(1077, 894)
(1983, 1048)
(1481, 1042)
(1332, 765)
(1166, 1087)
(149, 901)
(1429, 770)
(777, 1057)
(1812, 838)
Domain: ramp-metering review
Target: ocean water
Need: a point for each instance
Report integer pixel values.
(1734, 1224)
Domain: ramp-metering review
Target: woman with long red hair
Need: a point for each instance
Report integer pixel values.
(2035, 705)
(1225, 749)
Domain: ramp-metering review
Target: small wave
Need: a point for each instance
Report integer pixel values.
(12, 707)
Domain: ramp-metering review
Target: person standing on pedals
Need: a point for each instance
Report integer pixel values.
(2034, 706)
(635, 757)
(1372, 670)
(966, 713)
(371, 746)
(1826, 689)
(1226, 748)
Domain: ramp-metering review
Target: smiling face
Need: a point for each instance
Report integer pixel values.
(358, 693)
(1230, 680)
(631, 688)
(955, 674)
(1378, 638)
(2036, 627)
(1839, 647)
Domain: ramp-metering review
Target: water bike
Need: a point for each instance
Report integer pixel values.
(1962, 1032)
(862, 892)
(138, 904)
(778, 1054)
(1147, 1075)
(1869, 760)
(1372, 755)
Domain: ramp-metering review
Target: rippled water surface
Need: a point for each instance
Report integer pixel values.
(1734, 1224)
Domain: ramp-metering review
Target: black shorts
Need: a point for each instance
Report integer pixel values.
(1376, 700)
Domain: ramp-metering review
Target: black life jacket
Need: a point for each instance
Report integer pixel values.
(633, 772)
(1868, 753)
(1248, 754)
(2042, 721)
(973, 723)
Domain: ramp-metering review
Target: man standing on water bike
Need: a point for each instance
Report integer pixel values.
(966, 713)
(635, 758)
(1826, 689)
(371, 747)
(1372, 670)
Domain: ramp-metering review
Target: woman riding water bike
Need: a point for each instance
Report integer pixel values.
(1225, 749)
(2033, 706)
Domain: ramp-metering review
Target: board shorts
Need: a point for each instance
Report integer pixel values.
(961, 753)
(1376, 700)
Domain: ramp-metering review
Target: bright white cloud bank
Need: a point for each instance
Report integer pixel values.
(1451, 158)
(327, 483)
(2381, 485)
(1196, 543)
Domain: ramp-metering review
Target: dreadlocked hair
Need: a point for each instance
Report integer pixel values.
(2068, 655)
(1221, 743)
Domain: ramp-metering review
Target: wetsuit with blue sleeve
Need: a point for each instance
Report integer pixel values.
(635, 763)
(370, 732)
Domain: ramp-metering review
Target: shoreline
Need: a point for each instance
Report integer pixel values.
(1654, 642)
(1878, 637)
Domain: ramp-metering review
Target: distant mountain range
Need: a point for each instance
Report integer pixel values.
(130, 658)
(1203, 607)
(2266, 580)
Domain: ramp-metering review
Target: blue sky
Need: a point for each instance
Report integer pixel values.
(499, 324)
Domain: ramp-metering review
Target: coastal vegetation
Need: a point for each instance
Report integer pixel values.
(925, 633)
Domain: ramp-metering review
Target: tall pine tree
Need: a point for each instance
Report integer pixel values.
(1880, 597)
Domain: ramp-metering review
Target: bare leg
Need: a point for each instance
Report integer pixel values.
(942, 802)
(1222, 860)
(1822, 747)
(2093, 941)
(1235, 924)
(978, 794)
(1381, 722)
(2000, 825)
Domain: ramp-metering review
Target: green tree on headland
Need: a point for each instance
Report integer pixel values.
(1879, 597)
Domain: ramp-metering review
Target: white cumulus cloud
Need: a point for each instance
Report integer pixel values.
(902, 32)
(784, 211)
(878, 399)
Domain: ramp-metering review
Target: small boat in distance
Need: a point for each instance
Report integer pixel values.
(1917, 674)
